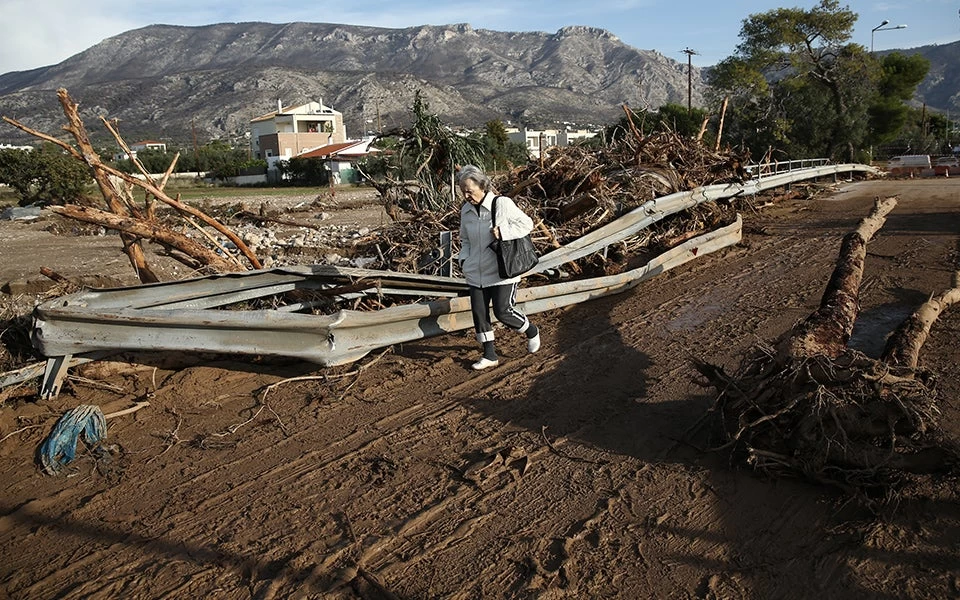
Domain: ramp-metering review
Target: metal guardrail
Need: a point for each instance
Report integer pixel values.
(184, 315)
(659, 208)
(785, 166)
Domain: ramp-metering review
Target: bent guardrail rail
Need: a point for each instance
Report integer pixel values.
(660, 208)
(181, 315)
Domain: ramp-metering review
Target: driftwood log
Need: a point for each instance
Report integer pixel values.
(142, 229)
(828, 330)
(138, 223)
(808, 405)
(903, 347)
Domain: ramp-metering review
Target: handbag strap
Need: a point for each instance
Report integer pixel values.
(493, 212)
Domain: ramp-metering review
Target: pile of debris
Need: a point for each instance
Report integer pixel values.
(577, 189)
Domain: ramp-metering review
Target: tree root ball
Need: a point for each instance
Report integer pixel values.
(850, 420)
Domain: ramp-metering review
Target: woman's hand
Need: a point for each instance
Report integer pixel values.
(496, 232)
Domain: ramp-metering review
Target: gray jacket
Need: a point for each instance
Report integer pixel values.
(477, 260)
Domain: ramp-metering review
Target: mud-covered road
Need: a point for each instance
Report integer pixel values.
(565, 474)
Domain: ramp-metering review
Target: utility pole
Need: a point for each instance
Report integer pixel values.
(196, 152)
(689, 54)
(540, 140)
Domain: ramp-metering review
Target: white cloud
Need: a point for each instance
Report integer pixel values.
(45, 32)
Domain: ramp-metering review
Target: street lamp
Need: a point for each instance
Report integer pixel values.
(881, 27)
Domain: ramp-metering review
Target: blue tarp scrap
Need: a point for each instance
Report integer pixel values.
(61, 445)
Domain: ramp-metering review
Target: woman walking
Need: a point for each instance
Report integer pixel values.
(478, 262)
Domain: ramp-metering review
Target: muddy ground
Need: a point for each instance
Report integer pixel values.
(566, 474)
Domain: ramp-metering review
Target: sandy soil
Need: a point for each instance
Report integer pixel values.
(564, 474)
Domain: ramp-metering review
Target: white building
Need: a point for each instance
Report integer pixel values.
(148, 145)
(292, 130)
(538, 140)
(342, 158)
(139, 147)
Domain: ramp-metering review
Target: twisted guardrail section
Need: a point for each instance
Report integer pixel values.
(182, 315)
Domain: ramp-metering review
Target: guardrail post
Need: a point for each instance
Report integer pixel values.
(446, 253)
(53, 376)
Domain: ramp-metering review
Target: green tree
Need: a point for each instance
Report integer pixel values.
(500, 151)
(155, 161)
(676, 118)
(668, 118)
(923, 132)
(221, 160)
(45, 174)
(899, 80)
(429, 152)
(797, 83)
(305, 171)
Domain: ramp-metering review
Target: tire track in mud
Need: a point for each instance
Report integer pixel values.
(413, 425)
(187, 518)
(556, 559)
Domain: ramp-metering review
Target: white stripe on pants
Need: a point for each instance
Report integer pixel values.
(503, 298)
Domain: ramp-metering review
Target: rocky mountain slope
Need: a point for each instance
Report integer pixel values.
(941, 88)
(165, 81)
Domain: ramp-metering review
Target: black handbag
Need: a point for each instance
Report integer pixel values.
(514, 257)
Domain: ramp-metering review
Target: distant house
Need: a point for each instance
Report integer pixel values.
(342, 158)
(148, 145)
(538, 140)
(291, 130)
(140, 147)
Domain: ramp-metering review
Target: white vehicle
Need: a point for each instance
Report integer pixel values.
(909, 163)
(917, 161)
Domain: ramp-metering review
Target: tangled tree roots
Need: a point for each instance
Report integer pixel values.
(810, 406)
(850, 420)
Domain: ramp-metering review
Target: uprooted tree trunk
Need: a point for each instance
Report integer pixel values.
(131, 221)
(827, 331)
(130, 227)
(903, 347)
(811, 406)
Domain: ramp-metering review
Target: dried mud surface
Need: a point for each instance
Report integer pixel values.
(563, 474)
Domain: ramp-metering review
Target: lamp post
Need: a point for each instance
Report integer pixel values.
(881, 27)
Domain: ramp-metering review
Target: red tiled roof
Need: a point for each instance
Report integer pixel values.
(335, 149)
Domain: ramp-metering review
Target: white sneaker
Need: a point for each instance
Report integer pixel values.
(533, 344)
(484, 363)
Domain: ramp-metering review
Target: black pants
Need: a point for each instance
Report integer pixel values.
(503, 298)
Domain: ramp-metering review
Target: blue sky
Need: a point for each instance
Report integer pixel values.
(38, 33)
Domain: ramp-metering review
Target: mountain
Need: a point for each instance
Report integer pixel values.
(166, 81)
(941, 88)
